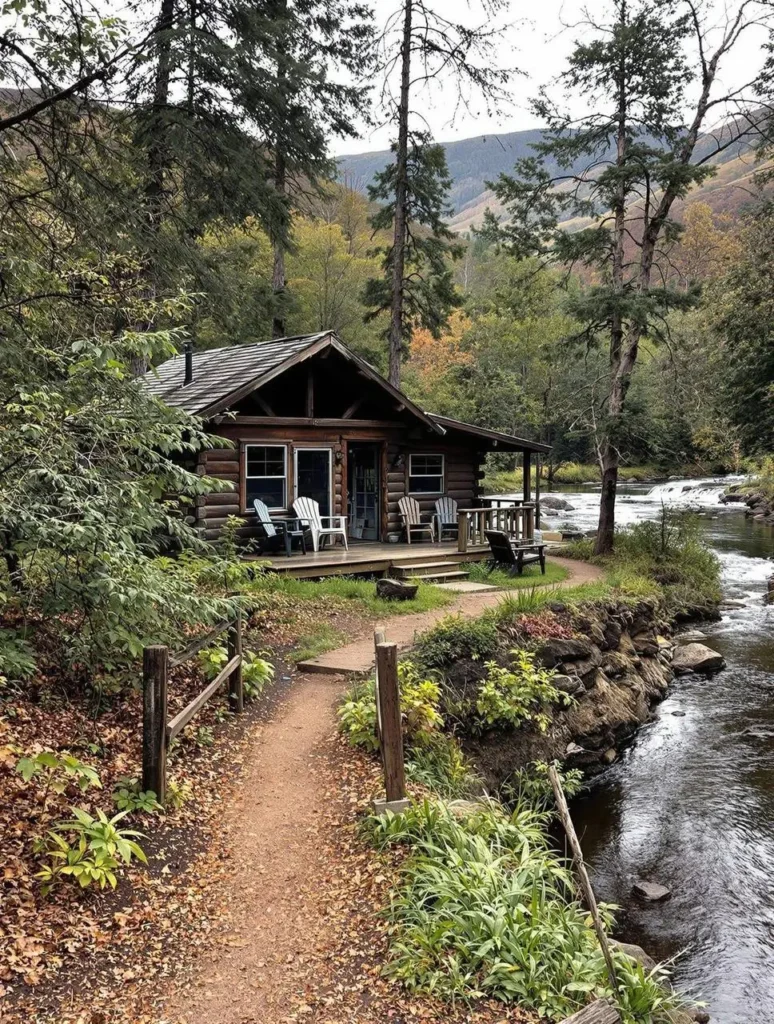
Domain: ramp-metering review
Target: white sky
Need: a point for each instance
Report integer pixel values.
(540, 35)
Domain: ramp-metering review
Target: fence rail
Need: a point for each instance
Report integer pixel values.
(157, 731)
(518, 521)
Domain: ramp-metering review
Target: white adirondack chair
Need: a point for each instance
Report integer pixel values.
(446, 517)
(412, 519)
(308, 511)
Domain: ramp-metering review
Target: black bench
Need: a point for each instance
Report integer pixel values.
(515, 555)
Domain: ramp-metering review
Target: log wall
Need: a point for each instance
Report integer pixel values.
(462, 469)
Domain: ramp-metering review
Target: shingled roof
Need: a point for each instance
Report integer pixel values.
(223, 376)
(218, 373)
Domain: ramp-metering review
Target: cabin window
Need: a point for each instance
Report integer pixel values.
(266, 475)
(426, 474)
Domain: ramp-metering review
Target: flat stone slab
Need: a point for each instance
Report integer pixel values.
(651, 892)
(465, 586)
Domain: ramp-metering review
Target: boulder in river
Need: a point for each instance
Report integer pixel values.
(551, 501)
(635, 952)
(650, 892)
(697, 658)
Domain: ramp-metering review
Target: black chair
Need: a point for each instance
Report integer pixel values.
(275, 531)
(514, 556)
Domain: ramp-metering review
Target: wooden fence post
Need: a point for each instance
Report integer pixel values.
(379, 638)
(155, 668)
(392, 732)
(580, 867)
(236, 693)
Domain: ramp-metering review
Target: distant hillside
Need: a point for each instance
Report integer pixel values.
(475, 161)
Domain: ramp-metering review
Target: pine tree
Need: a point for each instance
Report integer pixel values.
(423, 47)
(623, 165)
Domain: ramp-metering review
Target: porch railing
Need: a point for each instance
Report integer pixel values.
(518, 521)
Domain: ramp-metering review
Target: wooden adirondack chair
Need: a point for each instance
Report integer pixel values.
(412, 519)
(308, 511)
(515, 556)
(275, 531)
(446, 517)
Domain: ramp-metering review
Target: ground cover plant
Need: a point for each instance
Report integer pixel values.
(531, 576)
(665, 556)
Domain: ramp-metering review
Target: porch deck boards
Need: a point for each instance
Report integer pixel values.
(369, 556)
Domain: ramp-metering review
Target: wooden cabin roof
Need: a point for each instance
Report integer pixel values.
(224, 376)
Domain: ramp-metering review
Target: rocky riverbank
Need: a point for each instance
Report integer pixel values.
(616, 663)
(757, 504)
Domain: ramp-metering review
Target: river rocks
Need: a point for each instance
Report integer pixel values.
(636, 953)
(650, 892)
(395, 590)
(569, 684)
(551, 501)
(697, 658)
(554, 652)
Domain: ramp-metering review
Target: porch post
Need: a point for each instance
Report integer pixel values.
(527, 474)
(537, 492)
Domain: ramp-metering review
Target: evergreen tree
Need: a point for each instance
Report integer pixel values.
(623, 164)
(423, 47)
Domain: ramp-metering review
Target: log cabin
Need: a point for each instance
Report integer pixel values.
(306, 417)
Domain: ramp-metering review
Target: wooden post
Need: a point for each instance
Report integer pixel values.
(527, 476)
(379, 638)
(392, 733)
(580, 867)
(236, 692)
(537, 491)
(462, 532)
(155, 669)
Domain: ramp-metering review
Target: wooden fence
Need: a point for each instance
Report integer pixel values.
(157, 731)
(518, 521)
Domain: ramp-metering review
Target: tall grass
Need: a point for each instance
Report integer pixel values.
(485, 907)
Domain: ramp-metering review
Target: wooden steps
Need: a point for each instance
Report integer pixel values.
(430, 572)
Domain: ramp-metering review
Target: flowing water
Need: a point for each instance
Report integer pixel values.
(691, 802)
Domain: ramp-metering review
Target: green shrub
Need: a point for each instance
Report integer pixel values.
(420, 700)
(57, 772)
(357, 715)
(455, 637)
(89, 850)
(441, 767)
(484, 907)
(129, 796)
(17, 659)
(515, 695)
(256, 671)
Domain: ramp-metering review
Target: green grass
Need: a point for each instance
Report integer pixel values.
(361, 594)
(482, 572)
(320, 638)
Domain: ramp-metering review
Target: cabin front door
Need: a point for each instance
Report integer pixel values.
(312, 477)
(363, 459)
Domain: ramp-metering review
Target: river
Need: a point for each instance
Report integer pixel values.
(690, 804)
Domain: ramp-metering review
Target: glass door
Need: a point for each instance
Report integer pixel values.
(312, 478)
(363, 490)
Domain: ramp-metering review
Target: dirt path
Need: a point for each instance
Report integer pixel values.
(271, 825)
(359, 656)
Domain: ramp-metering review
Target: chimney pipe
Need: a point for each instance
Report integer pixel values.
(188, 353)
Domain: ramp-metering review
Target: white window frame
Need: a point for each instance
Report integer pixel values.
(441, 477)
(248, 476)
(315, 448)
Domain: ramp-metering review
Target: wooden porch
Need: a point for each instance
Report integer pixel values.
(370, 557)
(516, 520)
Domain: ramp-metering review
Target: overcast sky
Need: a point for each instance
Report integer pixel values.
(539, 36)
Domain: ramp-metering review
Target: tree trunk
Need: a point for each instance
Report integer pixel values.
(609, 455)
(278, 278)
(401, 201)
(278, 327)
